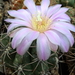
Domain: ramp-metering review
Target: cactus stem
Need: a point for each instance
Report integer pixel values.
(36, 66)
(30, 54)
(48, 62)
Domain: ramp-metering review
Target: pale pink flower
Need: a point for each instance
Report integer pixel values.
(49, 25)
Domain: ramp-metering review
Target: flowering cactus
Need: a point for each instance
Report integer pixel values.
(49, 25)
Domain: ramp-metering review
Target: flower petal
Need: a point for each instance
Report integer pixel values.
(59, 13)
(12, 33)
(65, 25)
(31, 6)
(44, 6)
(65, 44)
(32, 35)
(13, 26)
(26, 42)
(53, 9)
(53, 37)
(63, 17)
(21, 14)
(62, 20)
(23, 47)
(66, 32)
(18, 21)
(26, 14)
(19, 37)
(53, 46)
(43, 48)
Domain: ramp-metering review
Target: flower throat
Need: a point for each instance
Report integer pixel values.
(40, 23)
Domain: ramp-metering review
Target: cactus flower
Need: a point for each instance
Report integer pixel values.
(49, 26)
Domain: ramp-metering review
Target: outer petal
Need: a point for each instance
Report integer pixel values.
(26, 14)
(66, 32)
(63, 17)
(53, 37)
(30, 5)
(18, 21)
(62, 20)
(44, 6)
(19, 37)
(65, 44)
(43, 48)
(65, 25)
(23, 47)
(12, 33)
(59, 13)
(13, 26)
(21, 14)
(53, 9)
(26, 42)
(53, 46)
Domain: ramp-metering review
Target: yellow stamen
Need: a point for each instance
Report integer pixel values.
(40, 23)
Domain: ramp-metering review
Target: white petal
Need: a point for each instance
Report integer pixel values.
(32, 35)
(21, 14)
(13, 26)
(18, 21)
(12, 33)
(43, 48)
(23, 47)
(27, 16)
(59, 13)
(53, 37)
(44, 6)
(65, 44)
(26, 42)
(53, 47)
(66, 32)
(31, 6)
(19, 37)
(63, 16)
(65, 25)
(53, 9)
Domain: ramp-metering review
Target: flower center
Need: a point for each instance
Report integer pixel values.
(40, 23)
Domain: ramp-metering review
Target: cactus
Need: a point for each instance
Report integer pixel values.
(13, 64)
(68, 2)
(28, 64)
